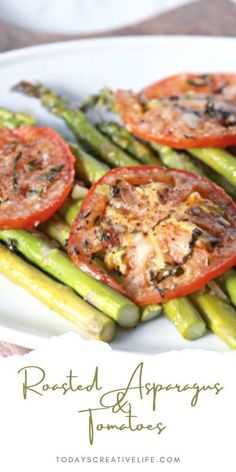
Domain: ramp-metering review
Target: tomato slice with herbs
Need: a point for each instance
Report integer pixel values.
(181, 122)
(185, 83)
(36, 175)
(154, 234)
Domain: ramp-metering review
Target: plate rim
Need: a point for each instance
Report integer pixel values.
(114, 41)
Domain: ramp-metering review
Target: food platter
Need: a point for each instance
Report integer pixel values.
(77, 69)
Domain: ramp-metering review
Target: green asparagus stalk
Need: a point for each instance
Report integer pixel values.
(69, 210)
(12, 120)
(55, 262)
(219, 160)
(76, 120)
(185, 317)
(87, 167)
(127, 141)
(228, 282)
(57, 230)
(170, 158)
(56, 296)
(105, 99)
(79, 192)
(219, 316)
(149, 312)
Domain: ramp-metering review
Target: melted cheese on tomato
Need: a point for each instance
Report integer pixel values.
(149, 237)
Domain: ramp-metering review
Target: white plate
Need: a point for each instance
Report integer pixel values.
(77, 68)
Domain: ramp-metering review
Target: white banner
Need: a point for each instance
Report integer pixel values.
(79, 405)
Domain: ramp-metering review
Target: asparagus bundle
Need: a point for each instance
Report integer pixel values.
(179, 307)
(121, 136)
(56, 296)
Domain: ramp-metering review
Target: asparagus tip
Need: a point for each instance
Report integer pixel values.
(32, 90)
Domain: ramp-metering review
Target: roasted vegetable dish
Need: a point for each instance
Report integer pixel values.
(135, 218)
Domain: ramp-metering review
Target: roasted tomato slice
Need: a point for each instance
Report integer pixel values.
(154, 234)
(180, 121)
(36, 175)
(185, 83)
